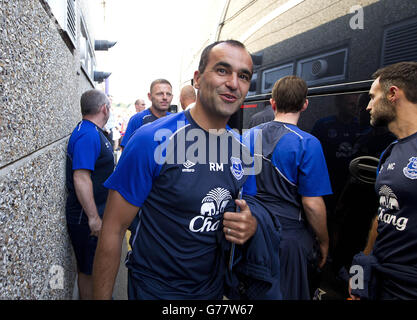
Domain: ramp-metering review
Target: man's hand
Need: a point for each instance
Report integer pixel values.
(84, 190)
(315, 211)
(352, 296)
(324, 250)
(239, 227)
(95, 225)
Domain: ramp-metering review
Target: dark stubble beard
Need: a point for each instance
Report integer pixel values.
(385, 114)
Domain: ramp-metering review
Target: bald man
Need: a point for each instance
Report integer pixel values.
(140, 105)
(187, 97)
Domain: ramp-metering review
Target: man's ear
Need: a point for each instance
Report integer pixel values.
(149, 96)
(196, 80)
(393, 94)
(305, 105)
(273, 104)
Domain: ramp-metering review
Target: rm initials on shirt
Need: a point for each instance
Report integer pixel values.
(216, 166)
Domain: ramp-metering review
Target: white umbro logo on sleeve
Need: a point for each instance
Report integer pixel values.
(188, 164)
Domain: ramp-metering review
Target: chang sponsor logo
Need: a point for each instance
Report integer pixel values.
(212, 206)
(399, 223)
(388, 207)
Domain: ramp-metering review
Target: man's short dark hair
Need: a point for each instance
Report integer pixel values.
(92, 100)
(158, 81)
(206, 52)
(401, 74)
(289, 93)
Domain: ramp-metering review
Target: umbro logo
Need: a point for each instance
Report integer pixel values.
(187, 166)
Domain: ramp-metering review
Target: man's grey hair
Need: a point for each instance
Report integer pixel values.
(92, 100)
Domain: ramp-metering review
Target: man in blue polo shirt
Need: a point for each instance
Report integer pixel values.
(90, 162)
(291, 184)
(392, 243)
(185, 178)
(160, 95)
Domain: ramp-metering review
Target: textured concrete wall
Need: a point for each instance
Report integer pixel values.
(35, 250)
(40, 86)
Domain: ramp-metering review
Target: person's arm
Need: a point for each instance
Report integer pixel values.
(373, 233)
(315, 211)
(85, 195)
(239, 227)
(117, 217)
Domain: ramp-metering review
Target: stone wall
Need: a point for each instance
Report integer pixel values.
(40, 86)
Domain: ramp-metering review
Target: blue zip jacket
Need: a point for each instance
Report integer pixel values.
(256, 270)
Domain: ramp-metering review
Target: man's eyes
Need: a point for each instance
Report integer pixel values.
(245, 77)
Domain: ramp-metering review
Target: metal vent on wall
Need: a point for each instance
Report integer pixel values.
(71, 20)
(322, 68)
(319, 68)
(400, 43)
(65, 13)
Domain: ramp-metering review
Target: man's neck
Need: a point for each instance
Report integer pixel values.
(98, 121)
(206, 120)
(157, 113)
(291, 118)
(405, 123)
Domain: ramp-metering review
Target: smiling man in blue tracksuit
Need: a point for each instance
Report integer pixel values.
(185, 191)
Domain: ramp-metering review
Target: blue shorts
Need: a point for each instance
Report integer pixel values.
(84, 246)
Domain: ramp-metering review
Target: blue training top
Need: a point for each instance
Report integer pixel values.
(136, 121)
(184, 179)
(293, 165)
(88, 149)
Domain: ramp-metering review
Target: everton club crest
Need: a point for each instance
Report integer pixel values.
(236, 168)
(410, 171)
